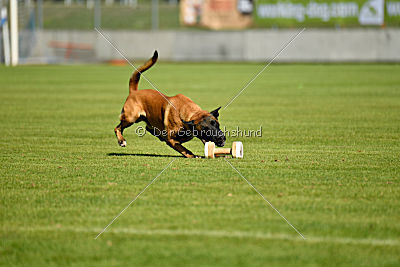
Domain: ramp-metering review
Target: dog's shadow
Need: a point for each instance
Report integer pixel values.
(141, 155)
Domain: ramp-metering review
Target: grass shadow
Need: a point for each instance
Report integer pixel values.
(141, 155)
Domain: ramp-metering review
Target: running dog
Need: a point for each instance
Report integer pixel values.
(174, 120)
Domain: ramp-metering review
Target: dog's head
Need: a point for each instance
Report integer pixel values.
(206, 127)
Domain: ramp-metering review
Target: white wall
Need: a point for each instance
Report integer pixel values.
(313, 45)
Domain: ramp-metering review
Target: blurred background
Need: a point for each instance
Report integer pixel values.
(63, 31)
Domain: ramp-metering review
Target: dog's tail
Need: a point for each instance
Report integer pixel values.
(134, 80)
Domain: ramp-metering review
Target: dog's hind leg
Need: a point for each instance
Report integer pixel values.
(119, 131)
(126, 121)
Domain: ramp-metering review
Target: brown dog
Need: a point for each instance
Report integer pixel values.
(173, 120)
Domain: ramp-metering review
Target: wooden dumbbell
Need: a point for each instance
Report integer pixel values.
(211, 152)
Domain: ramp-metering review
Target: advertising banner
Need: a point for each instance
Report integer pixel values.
(322, 13)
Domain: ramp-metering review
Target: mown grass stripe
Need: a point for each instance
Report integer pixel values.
(222, 234)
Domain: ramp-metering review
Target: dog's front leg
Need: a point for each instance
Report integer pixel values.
(181, 149)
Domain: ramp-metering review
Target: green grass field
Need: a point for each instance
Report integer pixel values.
(328, 159)
(58, 16)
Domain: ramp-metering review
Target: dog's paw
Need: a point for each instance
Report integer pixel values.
(122, 143)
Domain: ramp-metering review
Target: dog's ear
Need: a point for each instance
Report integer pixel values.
(215, 112)
(188, 123)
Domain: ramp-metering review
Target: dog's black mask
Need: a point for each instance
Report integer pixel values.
(208, 129)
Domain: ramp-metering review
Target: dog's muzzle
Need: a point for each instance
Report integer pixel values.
(220, 141)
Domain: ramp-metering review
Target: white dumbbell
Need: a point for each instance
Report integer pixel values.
(210, 151)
